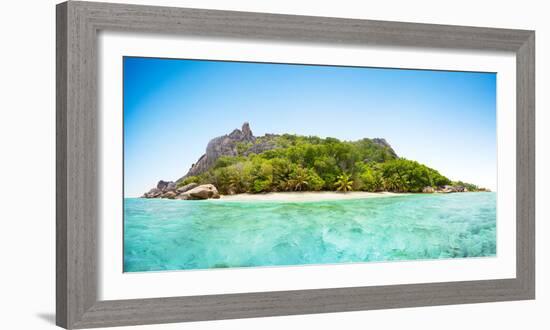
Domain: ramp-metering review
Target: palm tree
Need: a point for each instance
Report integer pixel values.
(344, 183)
(283, 177)
(393, 183)
(299, 180)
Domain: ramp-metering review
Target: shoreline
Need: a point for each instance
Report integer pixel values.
(308, 196)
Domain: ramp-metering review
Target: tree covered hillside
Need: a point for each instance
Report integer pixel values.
(300, 163)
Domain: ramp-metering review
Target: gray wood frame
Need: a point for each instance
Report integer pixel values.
(77, 151)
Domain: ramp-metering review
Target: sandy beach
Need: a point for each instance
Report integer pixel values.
(306, 196)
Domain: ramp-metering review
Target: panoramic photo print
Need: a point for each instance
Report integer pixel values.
(245, 164)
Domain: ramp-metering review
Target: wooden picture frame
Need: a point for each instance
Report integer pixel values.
(78, 24)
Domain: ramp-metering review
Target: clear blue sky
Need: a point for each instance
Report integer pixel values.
(173, 107)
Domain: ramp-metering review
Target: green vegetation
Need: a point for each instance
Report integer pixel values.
(300, 163)
(344, 183)
(469, 186)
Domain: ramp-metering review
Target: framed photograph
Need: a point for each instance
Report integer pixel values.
(216, 165)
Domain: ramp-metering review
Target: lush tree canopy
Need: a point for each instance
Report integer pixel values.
(300, 163)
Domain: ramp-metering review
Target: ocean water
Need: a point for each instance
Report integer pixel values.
(182, 235)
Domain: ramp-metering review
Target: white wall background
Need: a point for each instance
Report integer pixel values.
(27, 165)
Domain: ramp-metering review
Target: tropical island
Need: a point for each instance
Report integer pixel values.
(241, 163)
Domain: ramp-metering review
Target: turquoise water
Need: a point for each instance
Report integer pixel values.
(180, 235)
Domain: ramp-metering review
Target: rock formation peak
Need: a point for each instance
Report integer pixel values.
(246, 129)
(225, 145)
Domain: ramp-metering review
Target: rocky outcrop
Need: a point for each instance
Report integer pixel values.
(169, 195)
(161, 190)
(167, 189)
(187, 187)
(460, 189)
(204, 191)
(153, 193)
(225, 145)
(428, 190)
(246, 131)
(447, 189)
(162, 185)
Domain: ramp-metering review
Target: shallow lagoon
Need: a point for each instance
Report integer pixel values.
(182, 235)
